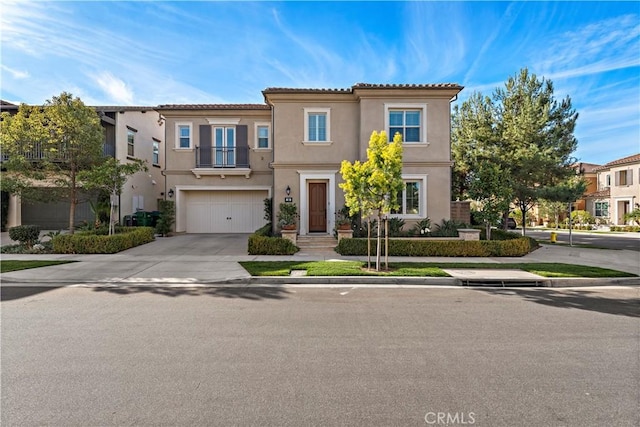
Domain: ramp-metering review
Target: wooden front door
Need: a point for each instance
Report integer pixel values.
(317, 206)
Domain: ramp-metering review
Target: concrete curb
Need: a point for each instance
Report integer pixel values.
(332, 281)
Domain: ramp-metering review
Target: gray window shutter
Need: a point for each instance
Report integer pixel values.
(242, 144)
(617, 182)
(204, 150)
(629, 176)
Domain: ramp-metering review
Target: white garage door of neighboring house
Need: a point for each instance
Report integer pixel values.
(224, 211)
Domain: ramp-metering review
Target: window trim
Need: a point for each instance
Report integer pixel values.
(177, 131)
(422, 203)
(595, 208)
(422, 107)
(256, 126)
(317, 110)
(131, 144)
(155, 143)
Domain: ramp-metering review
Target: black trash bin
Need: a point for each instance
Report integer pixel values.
(128, 221)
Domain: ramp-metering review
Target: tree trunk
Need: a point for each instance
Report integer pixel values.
(369, 243)
(523, 209)
(487, 225)
(73, 201)
(378, 243)
(386, 243)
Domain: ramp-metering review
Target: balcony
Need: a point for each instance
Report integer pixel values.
(222, 161)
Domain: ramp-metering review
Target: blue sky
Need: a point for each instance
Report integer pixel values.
(151, 52)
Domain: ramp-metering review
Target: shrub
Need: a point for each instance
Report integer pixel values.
(167, 217)
(85, 243)
(263, 245)
(27, 235)
(265, 230)
(443, 248)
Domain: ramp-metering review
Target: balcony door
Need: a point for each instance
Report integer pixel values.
(224, 146)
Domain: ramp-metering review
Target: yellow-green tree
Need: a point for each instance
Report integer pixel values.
(373, 186)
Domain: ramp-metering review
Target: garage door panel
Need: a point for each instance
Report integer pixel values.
(222, 211)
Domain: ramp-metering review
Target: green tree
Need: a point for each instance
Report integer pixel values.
(551, 209)
(48, 146)
(110, 177)
(523, 129)
(488, 187)
(375, 184)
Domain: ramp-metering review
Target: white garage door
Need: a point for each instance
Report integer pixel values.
(225, 211)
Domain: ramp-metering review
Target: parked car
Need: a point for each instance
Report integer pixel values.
(511, 223)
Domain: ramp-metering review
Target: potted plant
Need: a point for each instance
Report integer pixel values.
(287, 216)
(343, 222)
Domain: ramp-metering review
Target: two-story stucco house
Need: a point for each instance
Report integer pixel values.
(618, 190)
(130, 132)
(222, 161)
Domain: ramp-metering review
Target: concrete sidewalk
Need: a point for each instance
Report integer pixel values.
(187, 259)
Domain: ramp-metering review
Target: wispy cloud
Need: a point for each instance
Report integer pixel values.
(16, 74)
(116, 89)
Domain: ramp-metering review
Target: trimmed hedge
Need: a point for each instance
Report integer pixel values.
(627, 228)
(263, 245)
(82, 243)
(443, 248)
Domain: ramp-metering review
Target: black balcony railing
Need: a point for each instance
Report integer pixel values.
(222, 157)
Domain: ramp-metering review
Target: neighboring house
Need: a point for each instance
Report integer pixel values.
(618, 190)
(589, 174)
(130, 132)
(222, 161)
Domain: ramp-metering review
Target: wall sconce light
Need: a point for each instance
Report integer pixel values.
(170, 193)
(288, 190)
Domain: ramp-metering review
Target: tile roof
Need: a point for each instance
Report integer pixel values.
(362, 86)
(634, 158)
(585, 167)
(121, 108)
(213, 107)
(3, 102)
(602, 194)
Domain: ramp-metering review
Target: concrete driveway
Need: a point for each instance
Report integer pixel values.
(193, 244)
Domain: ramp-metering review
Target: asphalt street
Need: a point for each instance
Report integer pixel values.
(292, 356)
(629, 241)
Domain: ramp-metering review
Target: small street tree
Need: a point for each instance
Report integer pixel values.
(373, 186)
(566, 192)
(110, 177)
(488, 187)
(48, 146)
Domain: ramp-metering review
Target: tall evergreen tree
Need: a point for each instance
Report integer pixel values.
(524, 129)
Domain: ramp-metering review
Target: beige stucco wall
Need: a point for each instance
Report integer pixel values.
(147, 185)
(353, 117)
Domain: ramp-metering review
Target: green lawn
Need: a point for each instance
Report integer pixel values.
(7, 266)
(419, 269)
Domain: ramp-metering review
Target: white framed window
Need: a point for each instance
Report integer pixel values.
(155, 155)
(263, 136)
(410, 120)
(184, 135)
(413, 198)
(317, 125)
(602, 209)
(131, 141)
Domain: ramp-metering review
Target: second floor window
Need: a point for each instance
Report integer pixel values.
(624, 177)
(317, 125)
(184, 135)
(131, 140)
(156, 152)
(263, 136)
(406, 123)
